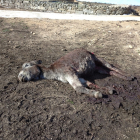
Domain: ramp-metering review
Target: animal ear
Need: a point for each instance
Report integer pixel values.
(36, 62)
(39, 62)
(28, 64)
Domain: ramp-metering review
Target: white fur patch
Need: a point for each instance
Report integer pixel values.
(21, 72)
(74, 81)
(25, 65)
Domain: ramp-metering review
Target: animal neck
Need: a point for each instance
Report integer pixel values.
(46, 73)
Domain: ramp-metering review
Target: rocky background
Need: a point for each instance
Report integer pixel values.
(70, 7)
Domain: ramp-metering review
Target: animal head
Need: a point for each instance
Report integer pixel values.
(30, 71)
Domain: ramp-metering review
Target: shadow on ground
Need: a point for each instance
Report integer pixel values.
(49, 109)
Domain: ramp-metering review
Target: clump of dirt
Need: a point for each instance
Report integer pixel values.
(50, 109)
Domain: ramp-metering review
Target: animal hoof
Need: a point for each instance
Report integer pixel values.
(98, 94)
(110, 90)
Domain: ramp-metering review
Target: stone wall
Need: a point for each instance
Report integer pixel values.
(69, 7)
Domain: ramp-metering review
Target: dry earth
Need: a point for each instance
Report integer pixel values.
(47, 109)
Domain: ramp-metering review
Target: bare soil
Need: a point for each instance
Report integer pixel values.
(48, 109)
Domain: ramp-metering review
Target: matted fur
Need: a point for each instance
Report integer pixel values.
(70, 69)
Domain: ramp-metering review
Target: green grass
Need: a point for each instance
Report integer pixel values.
(71, 102)
(6, 30)
(25, 27)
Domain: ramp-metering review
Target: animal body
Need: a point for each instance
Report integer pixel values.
(70, 69)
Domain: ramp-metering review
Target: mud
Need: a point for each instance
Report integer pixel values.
(47, 109)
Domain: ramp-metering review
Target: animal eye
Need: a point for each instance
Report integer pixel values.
(26, 65)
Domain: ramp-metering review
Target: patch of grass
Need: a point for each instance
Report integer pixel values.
(6, 30)
(71, 102)
(25, 27)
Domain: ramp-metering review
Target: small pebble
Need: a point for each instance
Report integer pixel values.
(64, 50)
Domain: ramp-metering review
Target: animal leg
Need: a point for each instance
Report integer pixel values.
(108, 90)
(113, 73)
(79, 85)
(112, 70)
(120, 75)
(102, 62)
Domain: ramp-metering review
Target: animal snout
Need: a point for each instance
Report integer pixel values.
(22, 77)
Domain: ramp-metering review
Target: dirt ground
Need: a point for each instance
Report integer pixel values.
(47, 109)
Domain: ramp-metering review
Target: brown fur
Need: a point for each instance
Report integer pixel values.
(70, 68)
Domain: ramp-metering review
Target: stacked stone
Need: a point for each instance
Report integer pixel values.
(69, 7)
